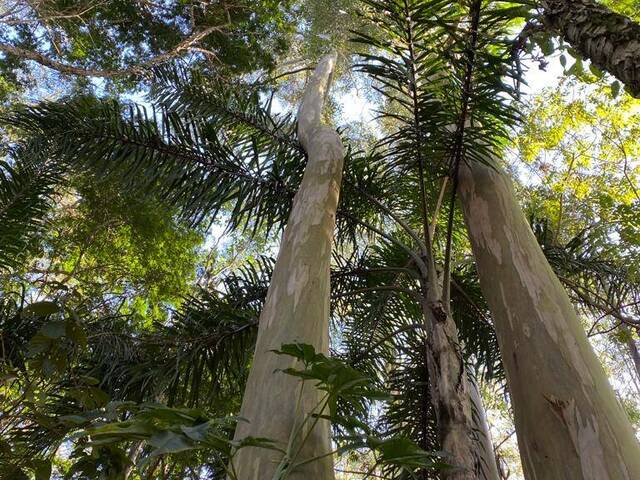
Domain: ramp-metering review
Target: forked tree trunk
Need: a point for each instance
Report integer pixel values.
(610, 40)
(297, 305)
(569, 422)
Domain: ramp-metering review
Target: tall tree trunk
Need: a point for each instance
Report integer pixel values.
(487, 458)
(569, 422)
(449, 390)
(610, 40)
(297, 305)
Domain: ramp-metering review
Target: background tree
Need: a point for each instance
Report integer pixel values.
(123, 41)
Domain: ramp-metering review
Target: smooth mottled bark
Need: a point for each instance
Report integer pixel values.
(568, 420)
(486, 455)
(609, 40)
(297, 306)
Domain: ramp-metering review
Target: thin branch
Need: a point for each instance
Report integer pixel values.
(470, 301)
(436, 211)
(413, 88)
(459, 147)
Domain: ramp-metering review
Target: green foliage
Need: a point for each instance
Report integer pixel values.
(179, 431)
(60, 373)
(111, 242)
(446, 100)
(124, 35)
(582, 149)
(180, 154)
(113, 349)
(27, 189)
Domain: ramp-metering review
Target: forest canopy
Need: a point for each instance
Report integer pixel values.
(316, 239)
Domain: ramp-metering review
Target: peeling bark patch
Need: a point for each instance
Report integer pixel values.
(538, 283)
(270, 306)
(480, 224)
(584, 436)
(504, 302)
(311, 207)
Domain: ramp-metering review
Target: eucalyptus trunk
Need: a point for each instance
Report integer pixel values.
(609, 40)
(296, 309)
(568, 420)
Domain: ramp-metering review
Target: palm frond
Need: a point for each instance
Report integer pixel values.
(28, 181)
(201, 355)
(596, 280)
(200, 164)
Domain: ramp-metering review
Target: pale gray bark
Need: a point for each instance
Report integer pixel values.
(297, 305)
(569, 422)
(484, 446)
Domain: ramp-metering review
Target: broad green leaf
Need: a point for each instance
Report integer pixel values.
(596, 71)
(547, 46)
(73, 419)
(76, 333)
(169, 442)
(42, 309)
(198, 432)
(301, 351)
(615, 89)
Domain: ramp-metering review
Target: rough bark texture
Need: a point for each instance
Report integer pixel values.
(297, 304)
(569, 422)
(449, 390)
(488, 465)
(610, 40)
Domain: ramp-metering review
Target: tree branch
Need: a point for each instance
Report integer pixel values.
(137, 70)
(314, 97)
